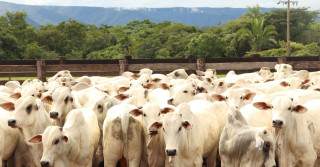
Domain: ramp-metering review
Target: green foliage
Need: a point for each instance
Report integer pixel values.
(250, 33)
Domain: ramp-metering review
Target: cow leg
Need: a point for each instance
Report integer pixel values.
(212, 158)
(98, 157)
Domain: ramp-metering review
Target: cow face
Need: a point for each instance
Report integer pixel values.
(25, 112)
(183, 94)
(101, 107)
(235, 97)
(151, 112)
(265, 142)
(174, 128)
(62, 102)
(283, 110)
(55, 143)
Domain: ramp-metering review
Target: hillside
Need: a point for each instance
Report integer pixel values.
(41, 15)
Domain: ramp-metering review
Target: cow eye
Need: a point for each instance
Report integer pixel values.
(148, 81)
(268, 145)
(28, 109)
(159, 114)
(32, 95)
(226, 97)
(241, 97)
(185, 91)
(289, 108)
(66, 99)
(312, 83)
(170, 85)
(99, 106)
(56, 141)
(163, 129)
(59, 75)
(179, 129)
(144, 114)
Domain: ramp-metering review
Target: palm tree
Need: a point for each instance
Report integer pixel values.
(254, 12)
(257, 35)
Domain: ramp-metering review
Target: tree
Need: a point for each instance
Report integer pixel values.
(257, 34)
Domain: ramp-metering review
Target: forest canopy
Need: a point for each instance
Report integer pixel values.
(253, 32)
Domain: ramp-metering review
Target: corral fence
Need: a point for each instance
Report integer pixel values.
(47, 68)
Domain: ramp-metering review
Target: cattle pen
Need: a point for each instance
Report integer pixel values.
(113, 67)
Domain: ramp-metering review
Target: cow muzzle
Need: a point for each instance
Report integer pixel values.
(54, 115)
(171, 152)
(12, 122)
(277, 123)
(44, 163)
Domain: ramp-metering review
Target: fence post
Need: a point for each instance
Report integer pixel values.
(62, 60)
(201, 64)
(191, 59)
(123, 66)
(282, 60)
(41, 70)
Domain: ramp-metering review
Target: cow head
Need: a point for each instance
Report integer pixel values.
(283, 110)
(183, 94)
(55, 143)
(62, 102)
(25, 112)
(235, 97)
(174, 128)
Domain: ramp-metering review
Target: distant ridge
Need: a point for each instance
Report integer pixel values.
(41, 15)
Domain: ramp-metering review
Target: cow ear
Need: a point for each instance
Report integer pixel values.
(284, 84)
(15, 95)
(317, 89)
(167, 110)
(47, 99)
(299, 109)
(261, 105)
(155, 126)
(221, 84)
(37, 139)
(149, 86)
(135, 76)
(136, 112)
(121, 97)
(208, 80)
(9, 106)
(65, 138)
(305, 86)
(249, 96)
(164, 86)
(186, 125)
(218, 97)
(122, 89)
(305, 81)
(259, 143)
(156, 80)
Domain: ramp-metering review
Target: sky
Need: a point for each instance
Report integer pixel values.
(313, 4)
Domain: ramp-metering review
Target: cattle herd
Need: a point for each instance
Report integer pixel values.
(258, 119)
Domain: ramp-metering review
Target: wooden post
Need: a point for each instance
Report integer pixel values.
(191, 59)
(128, 57)
(41, 70)
(255, 57)
(201, 64)
(319, 56)
(123, 66)
(62, 60)
(282, 60)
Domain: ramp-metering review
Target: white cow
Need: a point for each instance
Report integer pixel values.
(74, 145)
(8, 137)
(123, 136)
(31, 118)
(242, 145)
(63, 102)
(297, 132)
(190, 134)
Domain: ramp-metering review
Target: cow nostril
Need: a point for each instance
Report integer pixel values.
(44, 163)
(154, 132)
(54, 115)
(171, 152)
(11, 122)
